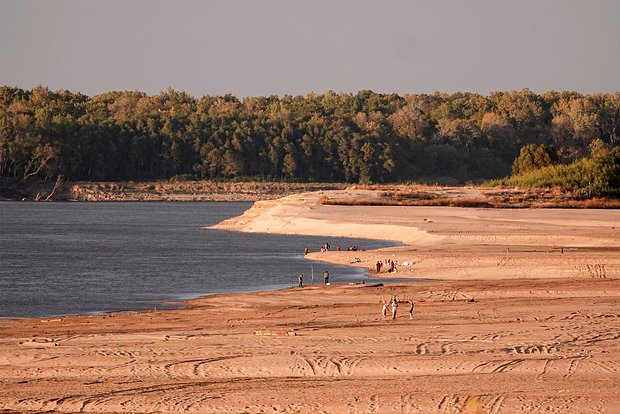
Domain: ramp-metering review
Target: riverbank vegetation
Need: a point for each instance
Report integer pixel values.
(594, 176)
(472, 197)
(333, 137)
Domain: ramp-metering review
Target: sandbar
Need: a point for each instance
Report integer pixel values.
(516, 311)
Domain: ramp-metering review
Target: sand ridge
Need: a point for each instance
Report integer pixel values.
(502, 327)
(446, 242)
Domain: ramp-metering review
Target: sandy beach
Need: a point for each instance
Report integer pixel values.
(516, 311)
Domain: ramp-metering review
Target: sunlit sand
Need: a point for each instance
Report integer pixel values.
(516, 311)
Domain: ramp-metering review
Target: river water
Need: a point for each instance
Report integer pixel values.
(84, 258)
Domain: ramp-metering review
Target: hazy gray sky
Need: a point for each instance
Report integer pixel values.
(265, 47)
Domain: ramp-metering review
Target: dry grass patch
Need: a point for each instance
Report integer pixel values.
(418, 195)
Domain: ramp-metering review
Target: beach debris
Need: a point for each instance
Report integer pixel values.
(276, 333)
(473, 405)
(39, 342)
(363, 284)
(42, 340)
(179, 336)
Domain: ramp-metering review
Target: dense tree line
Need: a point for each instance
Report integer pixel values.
(363, 137)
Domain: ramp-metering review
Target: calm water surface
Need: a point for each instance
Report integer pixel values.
(82, 258)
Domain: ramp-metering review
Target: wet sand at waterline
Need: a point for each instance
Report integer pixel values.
(520, 315)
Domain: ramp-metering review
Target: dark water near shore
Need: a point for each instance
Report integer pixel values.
(81, 258)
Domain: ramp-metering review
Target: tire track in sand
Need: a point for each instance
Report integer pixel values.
(328, 366)
(193, 368)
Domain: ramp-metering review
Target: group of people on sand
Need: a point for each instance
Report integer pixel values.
(391, 265)
(326, 247)
(394, 305)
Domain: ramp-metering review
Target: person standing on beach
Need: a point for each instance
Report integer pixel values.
(326, 277)
(410, 309)
(378, 267)
(384, 311)
(301, 280)
(394, 307)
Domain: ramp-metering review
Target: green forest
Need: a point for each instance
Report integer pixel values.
(365, 137)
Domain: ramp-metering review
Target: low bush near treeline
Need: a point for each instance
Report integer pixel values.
(597, 176)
